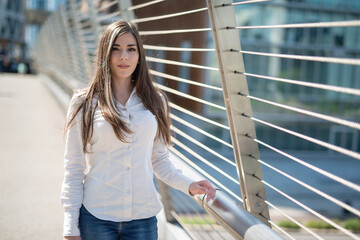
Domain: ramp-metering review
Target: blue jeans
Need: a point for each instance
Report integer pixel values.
(92, 228)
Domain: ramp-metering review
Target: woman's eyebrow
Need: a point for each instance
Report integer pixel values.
(129, 45)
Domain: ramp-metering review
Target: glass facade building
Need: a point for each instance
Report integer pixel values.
(337, 42)
(39, 9)
(12, 25)
(20, 21)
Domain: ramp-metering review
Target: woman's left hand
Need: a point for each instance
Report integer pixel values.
(203, 187)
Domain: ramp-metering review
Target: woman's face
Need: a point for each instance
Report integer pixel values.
(124, 57)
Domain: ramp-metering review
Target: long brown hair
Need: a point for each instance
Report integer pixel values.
(100, 87)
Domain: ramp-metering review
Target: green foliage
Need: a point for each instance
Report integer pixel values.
(288, 224)
(320, 224)
(352, 224)
(202, 220)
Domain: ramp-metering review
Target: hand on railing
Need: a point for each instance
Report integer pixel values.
(203, 187)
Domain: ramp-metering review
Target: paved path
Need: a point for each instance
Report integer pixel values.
(31, 160)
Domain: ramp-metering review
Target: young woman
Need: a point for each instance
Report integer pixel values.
(118, 130)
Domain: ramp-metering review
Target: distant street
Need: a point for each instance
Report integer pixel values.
(31, 162)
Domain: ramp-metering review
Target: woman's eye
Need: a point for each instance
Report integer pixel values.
(132, 49)
(114, 49)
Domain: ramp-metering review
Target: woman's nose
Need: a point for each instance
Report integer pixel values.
(124, 55)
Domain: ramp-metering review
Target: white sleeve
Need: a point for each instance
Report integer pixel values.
(165, 170)
(163, 167)
(75, 165)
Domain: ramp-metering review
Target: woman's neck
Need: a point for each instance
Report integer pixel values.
(122, 90)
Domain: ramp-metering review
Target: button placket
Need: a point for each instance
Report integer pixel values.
(128, 190)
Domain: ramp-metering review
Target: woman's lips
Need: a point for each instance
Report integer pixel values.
(123, 66)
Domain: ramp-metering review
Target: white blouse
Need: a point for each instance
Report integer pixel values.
(115, 181)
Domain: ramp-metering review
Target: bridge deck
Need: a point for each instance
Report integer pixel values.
(31, 147)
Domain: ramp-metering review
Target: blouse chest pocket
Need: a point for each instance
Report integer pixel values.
(143, 124)
(103, 132)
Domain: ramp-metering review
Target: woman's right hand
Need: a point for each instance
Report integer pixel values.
(72, 238)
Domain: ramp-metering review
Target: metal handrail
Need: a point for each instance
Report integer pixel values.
(236, 220)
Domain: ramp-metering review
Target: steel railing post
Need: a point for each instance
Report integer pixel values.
(95, 26)
(83, 55)
(57, 41)
(65, 54)
(249, 170)
(166, 199)
(126, 14)
(70, 45)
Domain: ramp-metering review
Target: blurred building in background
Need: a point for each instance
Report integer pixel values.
(20, 21)
(337, 42)
(12, 33)
(36, 13)
(183, 40)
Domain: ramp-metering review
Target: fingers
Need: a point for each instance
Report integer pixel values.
(203, 187)
(208, 190)
(211, 194)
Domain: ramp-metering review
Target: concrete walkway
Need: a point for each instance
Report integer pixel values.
(31, 160)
